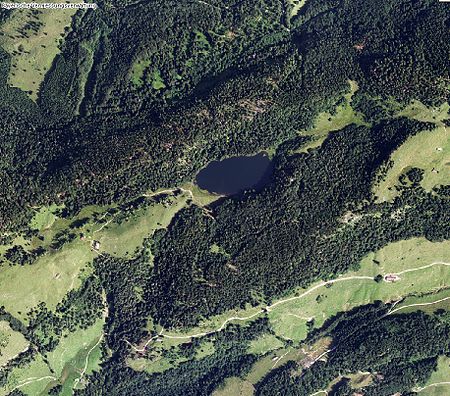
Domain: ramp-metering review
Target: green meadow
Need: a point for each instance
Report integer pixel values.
(328, 122)
(33, 53)
(47, 280)
(124, 238)
(11, 343)
(428, 150)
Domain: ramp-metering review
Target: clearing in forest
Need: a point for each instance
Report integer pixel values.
(122, 239)
(31, 378)
(11, 343)
(418, 262)
(296, 5)
(76, 356)
(327, 122)
(21, 286)
(427, 150)
(32, 37)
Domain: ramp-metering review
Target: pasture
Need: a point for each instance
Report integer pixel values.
(123, 239)
(411, 259)
(11, 343)
(33, 38)
(137, 71)
(428, 150)
(77, 355)
(47, 280)
(31, 379)
(327, 122)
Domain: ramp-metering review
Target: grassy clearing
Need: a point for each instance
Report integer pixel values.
(360, 380)
(200, 197)
(157, 80)
(85, 65)
(123, 239)
(235, 386)
(296, 6)
(21, 288)
(428, 150)
(71, 345)
(32, 37)
(325, 302)
(45, 217)
(158, 360)
(442, 374)
(205, 349)
(31, 379)
(78, 352)
(418, 111)
(213, 323)
(11, 343)
(264, 344)
(245, 386)
(428, 303)
(327, 122)
(138, 70)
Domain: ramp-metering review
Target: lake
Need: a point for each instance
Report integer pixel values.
(234, 175)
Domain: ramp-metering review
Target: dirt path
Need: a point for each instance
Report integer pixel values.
(431, 385)
(274, 305)
(423, 267)
(86, 362)
(418, 305)
(34, 379)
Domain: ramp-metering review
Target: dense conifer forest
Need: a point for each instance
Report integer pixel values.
(144, 94)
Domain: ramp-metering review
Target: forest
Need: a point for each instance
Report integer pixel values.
(141, 96)
(402, 350)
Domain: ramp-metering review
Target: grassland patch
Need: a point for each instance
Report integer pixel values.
(137, 71)
(47, 280)
(265, 343)
(123, 239)
(32, 38)
(76, 353)
(31, 379)
(326, 122)
(324, 302)
(45, 217)
(428, 150)
(11, 343)
(296, 5)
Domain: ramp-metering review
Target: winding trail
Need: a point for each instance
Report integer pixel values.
(34, 379)
(418, 305)
(423, 267)
(431, 385)
(274, 305)
(86, 362)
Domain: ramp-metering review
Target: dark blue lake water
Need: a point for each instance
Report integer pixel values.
(234, 175)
